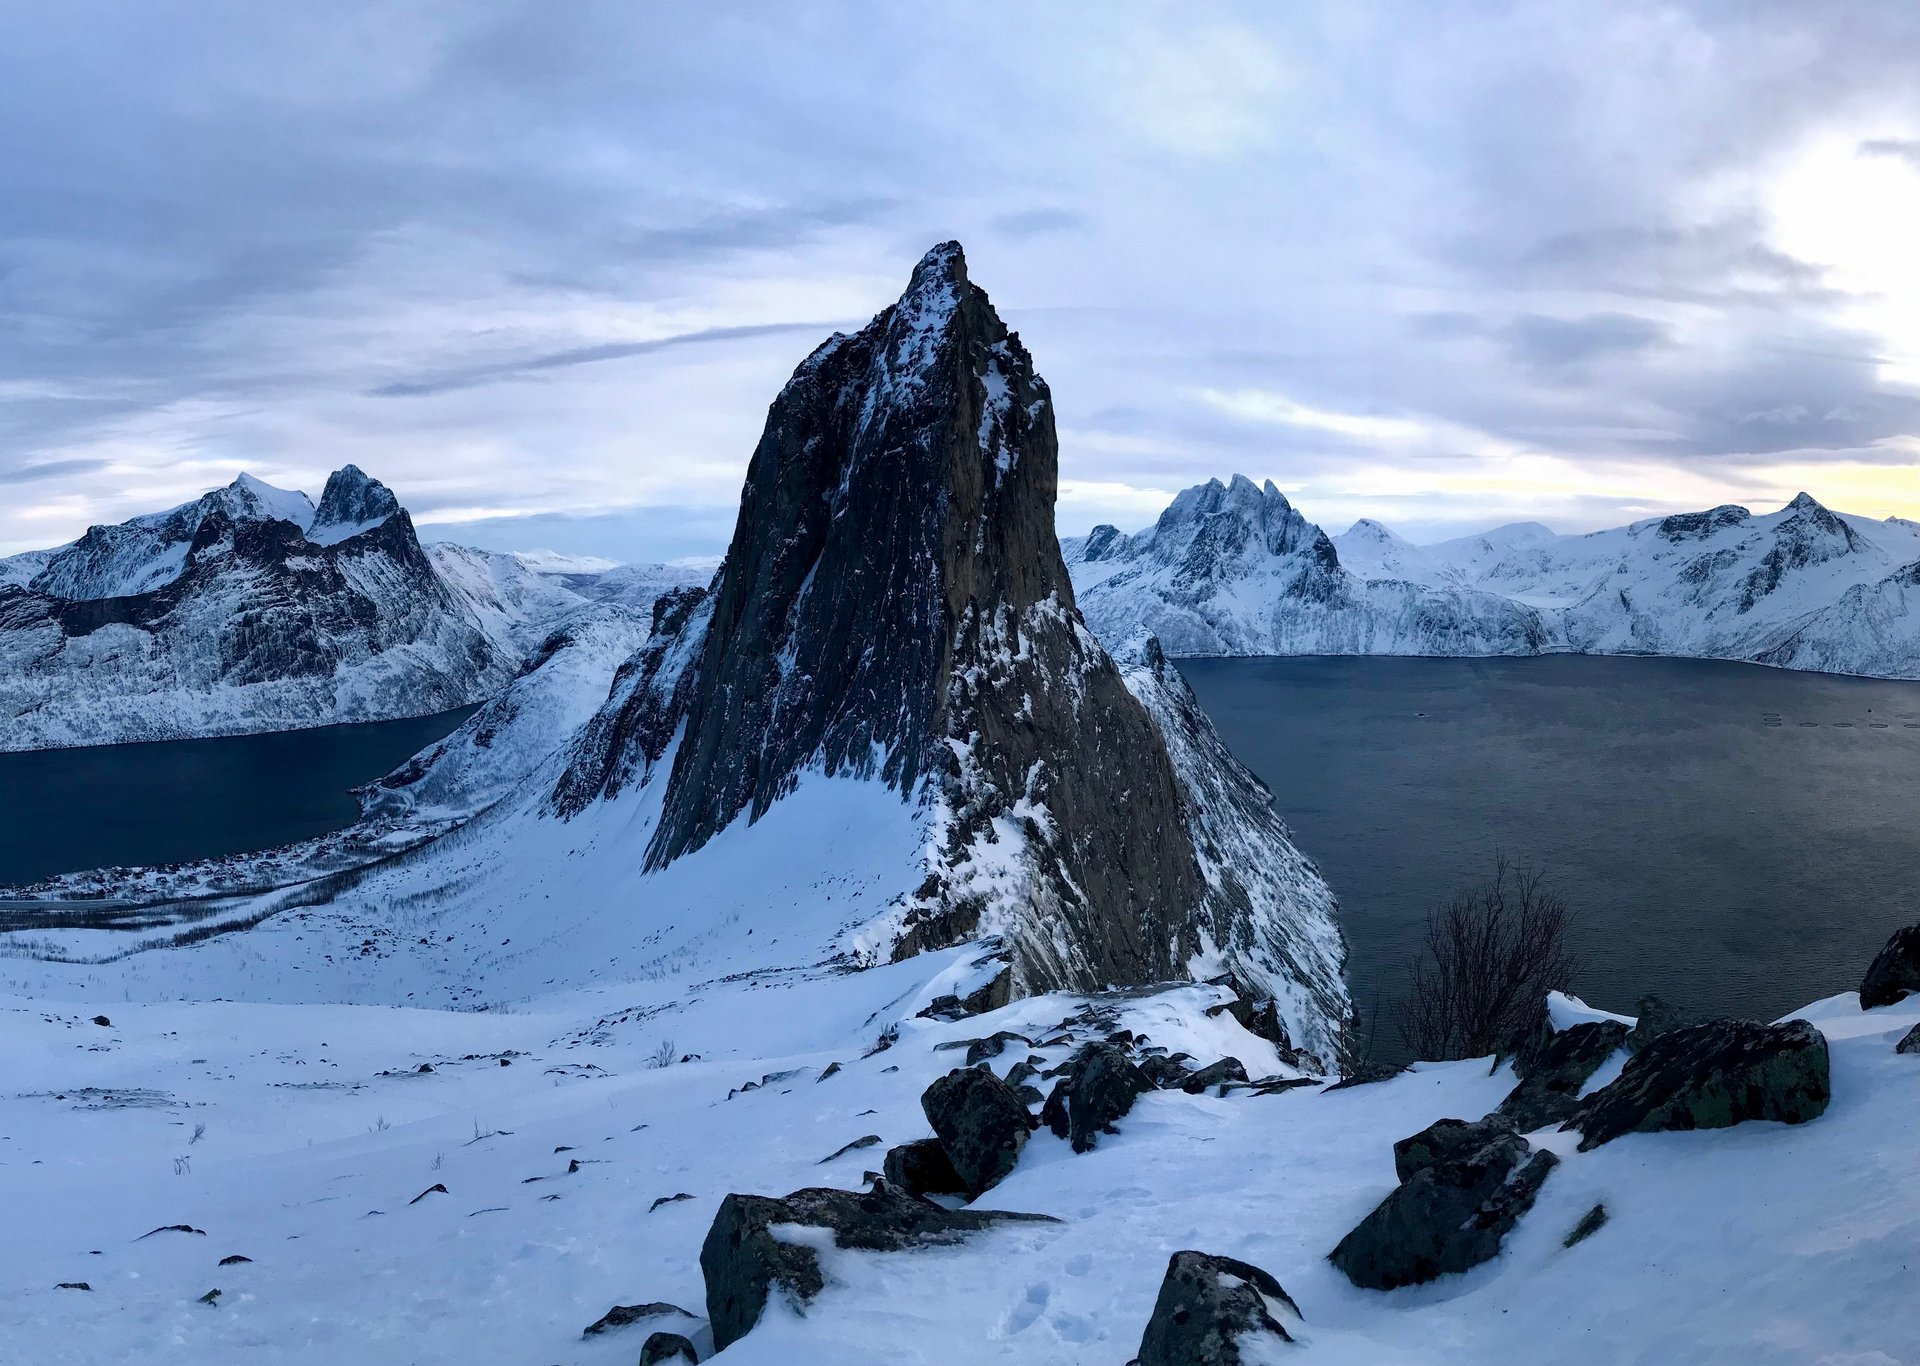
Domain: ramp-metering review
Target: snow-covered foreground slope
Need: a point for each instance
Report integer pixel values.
(309, 1140)
(1235, 569)
(253, 609)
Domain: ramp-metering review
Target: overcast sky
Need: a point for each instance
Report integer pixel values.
(545, 264)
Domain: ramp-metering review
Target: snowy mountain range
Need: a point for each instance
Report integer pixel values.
(252, 608)
(1235, 569)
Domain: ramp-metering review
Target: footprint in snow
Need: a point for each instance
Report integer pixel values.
(1024, 1314)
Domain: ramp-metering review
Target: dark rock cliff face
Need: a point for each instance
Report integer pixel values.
(351, 501)
(894, 606)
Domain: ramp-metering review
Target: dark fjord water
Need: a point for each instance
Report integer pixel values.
(1739, 840)
(63, 810)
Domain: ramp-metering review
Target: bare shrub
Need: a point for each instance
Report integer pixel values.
(662, 1056)
(1491, 955)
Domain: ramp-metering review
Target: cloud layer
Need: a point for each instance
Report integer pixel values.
(1442, 265)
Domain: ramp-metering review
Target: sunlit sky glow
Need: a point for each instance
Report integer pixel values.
(542, 267)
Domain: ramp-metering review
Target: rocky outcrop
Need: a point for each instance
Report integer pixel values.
(922, 1168)
(1709, 1076)
(1894, 972)
(660, 1348)
(1214, 1074)
(1094, 1094)
(981, 1124)
(1443, 1141)
(1211, 1308)
(1653, 1017)
(745, 1259)
(1465, 1194)
(626, 1315)
(1552, 1074)
(894, 608)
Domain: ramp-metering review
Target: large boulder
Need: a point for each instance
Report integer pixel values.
(1708, 1076)
(981, 1124)
(744, 1262)
(1895, 970)
(1208, 1307)
(1444, 1140)
(922, 1168)
(1552, 1074)
(1450, 1215)
(1100, 1085)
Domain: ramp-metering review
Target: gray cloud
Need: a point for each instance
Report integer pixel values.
(1905, 149)
(55, 469)
(586, 355)
(235, 234)
(1029, 223)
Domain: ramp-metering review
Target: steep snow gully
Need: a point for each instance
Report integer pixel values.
(854, 960)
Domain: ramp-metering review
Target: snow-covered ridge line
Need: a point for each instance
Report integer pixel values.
(1235, 569)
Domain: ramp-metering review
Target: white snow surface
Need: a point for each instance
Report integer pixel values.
(554, 562)
(300, 1135)
(1235, 570)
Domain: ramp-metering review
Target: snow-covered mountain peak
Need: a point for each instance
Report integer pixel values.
(352, 502)
(1212, 527)
(249, 499)
(894, 617)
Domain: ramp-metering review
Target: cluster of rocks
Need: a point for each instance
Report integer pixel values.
(1463, 1185)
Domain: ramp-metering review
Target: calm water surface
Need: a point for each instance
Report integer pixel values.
(63, 810)
(1739, 840)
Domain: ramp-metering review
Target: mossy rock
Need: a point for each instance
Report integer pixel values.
(1710, 1076)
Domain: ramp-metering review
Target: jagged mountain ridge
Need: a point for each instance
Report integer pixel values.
(1801, 588)
(1234, 569)
(894, 609)
(254, 609)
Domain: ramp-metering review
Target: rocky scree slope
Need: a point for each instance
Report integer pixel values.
(894, 608)
(252, 609)
(1234, 569)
